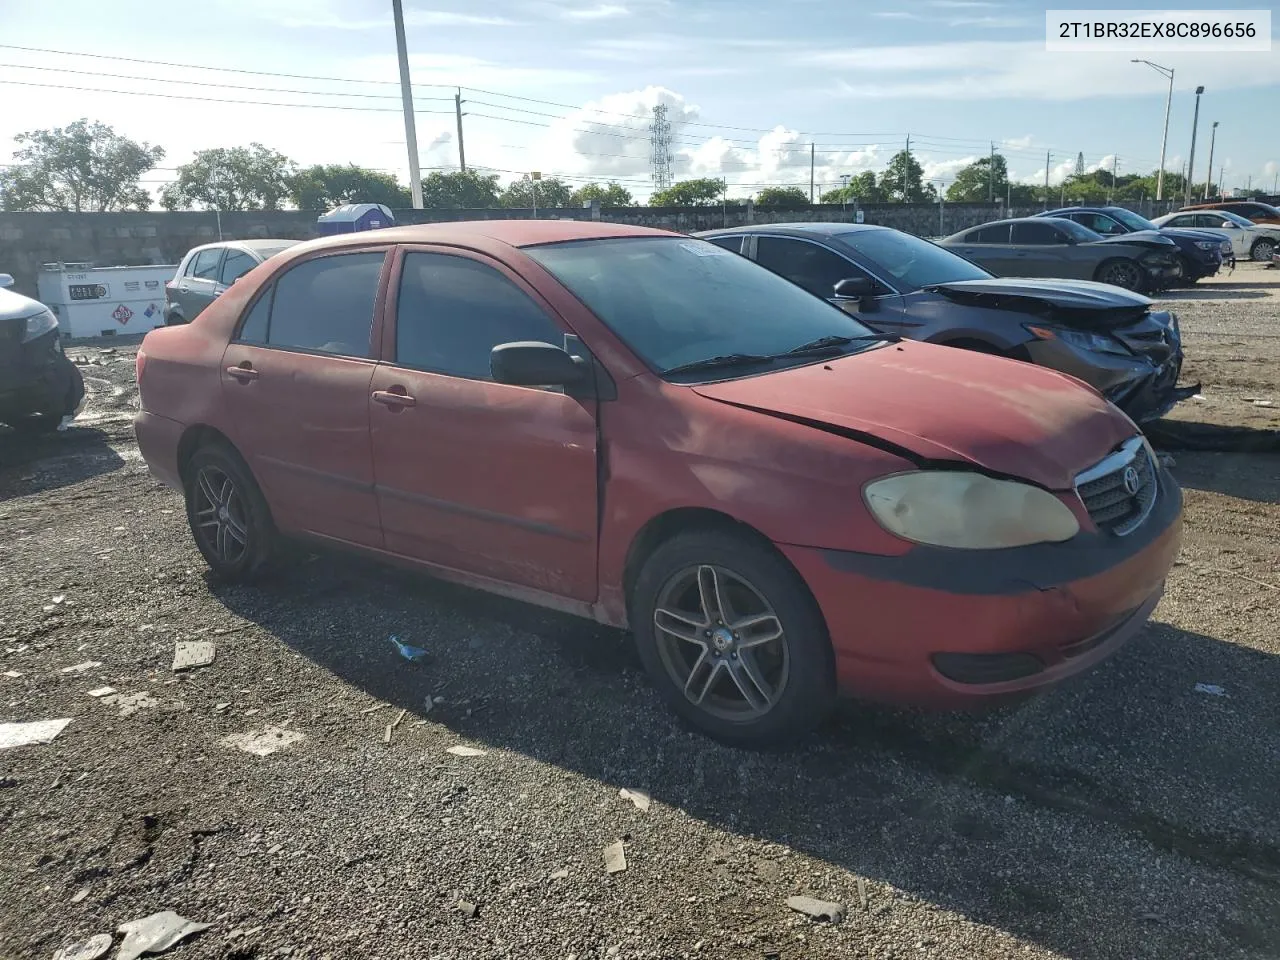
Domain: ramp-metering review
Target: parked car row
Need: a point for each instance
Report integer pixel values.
(781, 501)
(1249, 240)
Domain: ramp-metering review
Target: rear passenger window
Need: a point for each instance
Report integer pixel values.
(452, 311)
(326, 304)
(237, 264)
(205, 265)
(994, 234)
(733, 243)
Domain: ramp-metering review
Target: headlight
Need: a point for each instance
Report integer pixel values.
(1082, 339)
(968, 511)
(1208, 245)
(39, 325)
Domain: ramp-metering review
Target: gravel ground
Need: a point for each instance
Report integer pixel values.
(1125, 815)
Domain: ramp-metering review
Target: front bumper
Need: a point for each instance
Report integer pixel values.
(951, 628)
(36, 378)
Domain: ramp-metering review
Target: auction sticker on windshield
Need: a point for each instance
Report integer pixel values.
(1153, 31)
(704, 249)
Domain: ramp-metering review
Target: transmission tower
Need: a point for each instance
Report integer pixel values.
(660, 157)
(1080, 164)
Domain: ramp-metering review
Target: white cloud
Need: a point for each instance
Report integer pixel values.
(1270, 168)
(601, 11)
(450, 70)
(945, 169)
(335, 15)
(963, 4)
(1017, 143)
(897, 15)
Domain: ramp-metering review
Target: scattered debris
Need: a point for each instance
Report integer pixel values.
(91, 949)
(1212, 689)
(131, 703)
(862, 894)
(155, 934)
(817, 909)
(561, 874)
(374, 708)
(386, 732)
(221, 706)
(102, 692)
(59, 598)
(35, 731)
(264, 742)
(615, 857)
(1242, 576)
(189, 654)
(638, 797)
(12, 674)
(466, 751)
(80, 895)
(400, 719)
(408, 652)
(82, 667)
(467, 909)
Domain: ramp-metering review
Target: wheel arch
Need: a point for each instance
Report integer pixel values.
(199, 435)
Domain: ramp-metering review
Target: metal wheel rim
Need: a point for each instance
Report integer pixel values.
(219, 515)
(1122, 275)
(1263, 249)
(721, 643)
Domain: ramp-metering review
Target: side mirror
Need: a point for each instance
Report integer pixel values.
(6, 280)
(855, 288)
(528, 363)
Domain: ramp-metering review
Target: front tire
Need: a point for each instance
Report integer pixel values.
(1122, 273)
(732, 639)
(1262, 251)
(228, 515)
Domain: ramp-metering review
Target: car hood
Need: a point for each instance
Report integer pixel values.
(1140, 238)
(1188, 233)
(1074, 303)
(940, 404)
(14, 306)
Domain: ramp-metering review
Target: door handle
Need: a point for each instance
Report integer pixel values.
(393, 399)
(243, 374)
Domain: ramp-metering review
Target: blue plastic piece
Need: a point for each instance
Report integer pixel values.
(407, 651)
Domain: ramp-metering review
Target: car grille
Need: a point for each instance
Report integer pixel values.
(1120, 490)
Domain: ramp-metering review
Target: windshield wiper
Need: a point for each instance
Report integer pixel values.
(824, 344)
(724, 360)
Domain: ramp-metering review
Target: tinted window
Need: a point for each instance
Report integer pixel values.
(1036, 233)
(453, 311)
(326, 304)
(998, 233)
(254, 327)
(236, 265)
(1185, 221)
(1097, 222)
(911, 262)
(1199, 220)
(675, 301)
(1081, 233)
(1247, 210)
(815, 268)
(733, 243)
(205, 265)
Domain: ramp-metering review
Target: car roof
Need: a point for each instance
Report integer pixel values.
(1083, 210)
(823, 228)
(515, 233)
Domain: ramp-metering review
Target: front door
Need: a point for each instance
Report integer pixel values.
(296, 382)
(196, 287)
(474, 475)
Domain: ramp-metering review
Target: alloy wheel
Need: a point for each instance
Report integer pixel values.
(721, 642)
(220, 518)
(1263, 250)
(1122, 273)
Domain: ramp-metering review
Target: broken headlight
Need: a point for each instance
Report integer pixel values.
(38, 325)
(1080, 339)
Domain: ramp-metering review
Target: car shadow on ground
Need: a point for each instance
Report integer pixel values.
(965, 811)
(41, 463)
(1255, 478)
(1193, 435)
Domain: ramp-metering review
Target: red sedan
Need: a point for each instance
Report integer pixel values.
(647, 430)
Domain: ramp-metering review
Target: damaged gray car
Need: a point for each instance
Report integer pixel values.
(897, 283)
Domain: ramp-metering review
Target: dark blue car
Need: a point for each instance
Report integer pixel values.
(1200, 252)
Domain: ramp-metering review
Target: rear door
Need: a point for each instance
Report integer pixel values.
(234, 265)
(472, 475)
(989, 248)
(196, 290)
(296, 381)
(1040, 249)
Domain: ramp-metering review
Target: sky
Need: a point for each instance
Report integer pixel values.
(567, 87)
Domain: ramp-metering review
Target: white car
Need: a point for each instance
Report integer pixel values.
(40, 389)
(1249, 240)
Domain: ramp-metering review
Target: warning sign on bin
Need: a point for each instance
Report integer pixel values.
(122, 314)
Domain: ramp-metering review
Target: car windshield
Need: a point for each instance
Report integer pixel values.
(912, 262)
(677, 301)
(1079, 231)
(1131, 219)
(1235, 218)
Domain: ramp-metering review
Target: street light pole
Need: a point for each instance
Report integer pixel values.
(1208, 180)
(1168, 105)
(406, 97)
(1191, 160)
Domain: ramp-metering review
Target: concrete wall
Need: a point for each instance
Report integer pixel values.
(28, 240)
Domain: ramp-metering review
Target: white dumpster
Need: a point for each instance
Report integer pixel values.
(104, 301)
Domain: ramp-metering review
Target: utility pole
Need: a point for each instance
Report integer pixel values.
(1048, 158)
(810, 173)
(462, 153)
(1111, 192)
(1191, 160)
(1208, 180)
(406, 97)
(991, 176)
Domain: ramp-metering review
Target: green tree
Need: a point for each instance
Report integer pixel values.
(325, 187)
(703, 192)
(985, 179)
(527, 192)
(861, 189)
(613, 195)
(460, 191)
(904, 182)
(232, 178)
(80, 167)
(784, 197)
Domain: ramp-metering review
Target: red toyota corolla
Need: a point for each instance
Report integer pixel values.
(647, 430)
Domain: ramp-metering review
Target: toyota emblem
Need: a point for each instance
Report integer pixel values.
(1132, 482)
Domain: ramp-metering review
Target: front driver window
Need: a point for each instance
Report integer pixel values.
(805, 264)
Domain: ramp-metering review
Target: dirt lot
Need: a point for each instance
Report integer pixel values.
(1127, 815)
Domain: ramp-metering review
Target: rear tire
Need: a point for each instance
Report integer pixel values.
(1262, 251)
(1122, 272)
(1188, 278)
(732, 639)
(229, 518)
